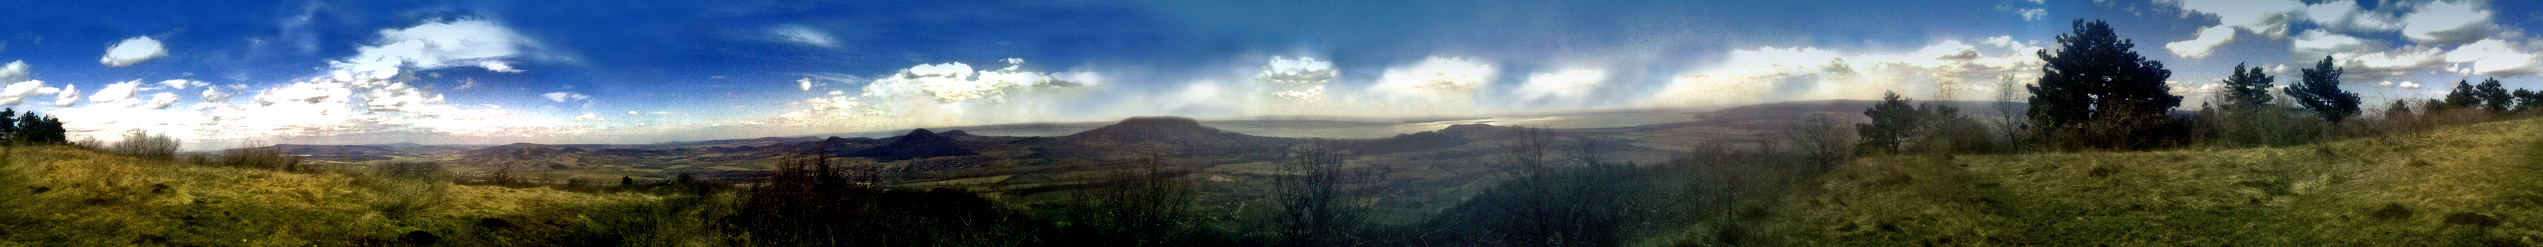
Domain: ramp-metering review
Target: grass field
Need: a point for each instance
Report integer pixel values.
(2478, 184)
(64, 196)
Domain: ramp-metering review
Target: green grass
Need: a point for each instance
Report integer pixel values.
(2311, 195)
(98, 199)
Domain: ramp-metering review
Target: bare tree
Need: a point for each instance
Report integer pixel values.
(1821, 139)
(1313, 200)
(2012, 121)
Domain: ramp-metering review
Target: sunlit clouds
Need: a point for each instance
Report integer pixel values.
(133, 51)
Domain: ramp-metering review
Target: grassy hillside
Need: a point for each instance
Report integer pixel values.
(63, 196)
(2478, 184)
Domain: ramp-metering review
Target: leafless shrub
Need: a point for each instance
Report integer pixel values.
(144, 145)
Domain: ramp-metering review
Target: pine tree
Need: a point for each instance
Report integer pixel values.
(2527, 100)
(2492, 96)
(29, 128)
(2320, 92)
(2463, 96)
(8, 124)
(1892, 121)
(2096, 89)
(2247, 89)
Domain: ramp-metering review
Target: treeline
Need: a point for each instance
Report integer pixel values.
(2098, 94)
(31, 128)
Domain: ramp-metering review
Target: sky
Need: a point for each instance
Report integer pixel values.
(223, 74)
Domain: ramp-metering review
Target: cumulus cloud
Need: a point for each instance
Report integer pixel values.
(132, 51)
(2447, 23)
(18, 92)
(2209, 38)
(15, 71)
(67, 97)
(2371, 60)
(117, 92)
(1947, 68)
(465, 42)
(161, 101)
(2033, 14)
(1302, 78)
(1565, 84)
(1436, 78)
(183, 83)
(804, 84)
(589, 117)
(1303, 70)
(805, 35)
(562, 97)
(2266, 18)
(2492, 57)
(943, 94)
(214, 94)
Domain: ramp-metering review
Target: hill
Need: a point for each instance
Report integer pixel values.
(917, 144)
(2465, 185)
(63, 196)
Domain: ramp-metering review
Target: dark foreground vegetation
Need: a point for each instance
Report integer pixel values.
(2099, 157)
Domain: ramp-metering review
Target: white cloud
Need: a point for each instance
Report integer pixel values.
(1437, 78)
(2371, 60)
(2447, 23)
(214, 94)
(2346, 17)
(117, 92)
(2033, 14)
(1566, 84)
(805, 35)
(1301, 79)
(805, 84)
(18, 92)
(1304, 70)
(562, 97)
(15, 71)
(1806, 73)
(466, 42)
(2266, 18)
(161, 100)
(2493, 57)
(2410, 85)
(2209, 38)
(1316, 92)
(67, 97)
(589, 117)
(132, 51)
(943, 94)
(183, 83)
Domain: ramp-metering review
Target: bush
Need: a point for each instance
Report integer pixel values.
(258, 157)
(146, 146)
(810, 203)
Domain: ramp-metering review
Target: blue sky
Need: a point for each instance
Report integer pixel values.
(219, 74)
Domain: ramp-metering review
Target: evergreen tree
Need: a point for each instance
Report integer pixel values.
(1893, 120)
(8, 123)
(2320, 92)
(2463, 96)
(2399, 110)
(2527, 100)
(2247, 89)
(29, 127)
(2492, 96)
(2095, 88)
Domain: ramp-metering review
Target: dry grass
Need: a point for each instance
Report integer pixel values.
(2309, 195)
(97, 199)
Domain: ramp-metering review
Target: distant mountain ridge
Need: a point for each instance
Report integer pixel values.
(918, 144)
